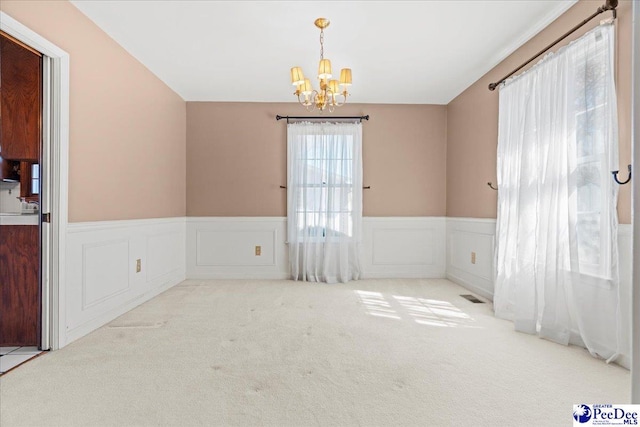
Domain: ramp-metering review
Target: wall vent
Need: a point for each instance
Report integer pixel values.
(472, 298)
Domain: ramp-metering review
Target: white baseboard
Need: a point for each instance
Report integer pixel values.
(624, 361)
(470, 282)
(119, 310)
(102, 282)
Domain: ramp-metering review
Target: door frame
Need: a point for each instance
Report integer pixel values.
(635, 200)
(58, 135)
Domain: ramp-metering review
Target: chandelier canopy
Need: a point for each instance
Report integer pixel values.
(332, 93)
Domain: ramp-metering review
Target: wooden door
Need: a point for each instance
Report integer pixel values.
(19, 285)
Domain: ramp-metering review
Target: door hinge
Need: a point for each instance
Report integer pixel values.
(46, 217)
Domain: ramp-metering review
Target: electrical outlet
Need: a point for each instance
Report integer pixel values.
(258, 250)
(473, 257)
(138, 265)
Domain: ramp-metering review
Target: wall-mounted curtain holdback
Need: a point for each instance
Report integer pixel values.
(615, 176)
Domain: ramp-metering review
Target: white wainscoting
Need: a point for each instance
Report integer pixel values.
(467, 235)
(464, 237)
(404, 247)
(102, 282)
(625, 268)
(224, 247)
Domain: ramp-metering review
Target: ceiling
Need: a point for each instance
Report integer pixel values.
(406, 52)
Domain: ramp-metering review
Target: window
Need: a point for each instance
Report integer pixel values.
(594, 216)
(35, 178)
(29, 181)
(324, 180)
(325, 196)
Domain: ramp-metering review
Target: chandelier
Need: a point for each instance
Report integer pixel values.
(330, 94)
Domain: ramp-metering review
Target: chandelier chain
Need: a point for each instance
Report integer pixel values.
(321, 44)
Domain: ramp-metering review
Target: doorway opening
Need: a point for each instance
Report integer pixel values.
(47, 181)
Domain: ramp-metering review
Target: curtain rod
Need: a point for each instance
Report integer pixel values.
(361, 118)
(609, 5)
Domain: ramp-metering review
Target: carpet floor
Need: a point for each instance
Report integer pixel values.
(282, 353)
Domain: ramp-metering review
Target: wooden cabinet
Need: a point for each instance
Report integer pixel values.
(20, 285)
(21, 101)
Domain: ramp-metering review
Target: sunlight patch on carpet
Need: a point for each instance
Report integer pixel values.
(376, 305)
(429, 312)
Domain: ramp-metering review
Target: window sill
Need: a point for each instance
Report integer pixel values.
(595, 281)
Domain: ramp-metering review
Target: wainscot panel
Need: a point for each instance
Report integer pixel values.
(470, 253)
(225, 247)
(237, 248)
(102, 281)
(404, 247)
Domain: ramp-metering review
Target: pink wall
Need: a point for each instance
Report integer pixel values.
(472, 126)
(236, 158)
(127, 128)
(132, 137)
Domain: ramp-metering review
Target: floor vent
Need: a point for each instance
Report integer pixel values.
(472, 298)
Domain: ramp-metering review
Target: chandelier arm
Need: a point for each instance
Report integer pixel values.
(314, 100)
(333, 97)
(328, 96)
(344, 100)
(300, 100)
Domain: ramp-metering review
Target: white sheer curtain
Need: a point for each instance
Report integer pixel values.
(324, 200)
(556, 256)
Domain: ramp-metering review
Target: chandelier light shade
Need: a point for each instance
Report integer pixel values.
(333, 87)
(324, 69)
(296, 76)
(345, 77)
(305, 87)
(331, 93)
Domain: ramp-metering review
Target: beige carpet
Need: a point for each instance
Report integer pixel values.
(281, 353)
